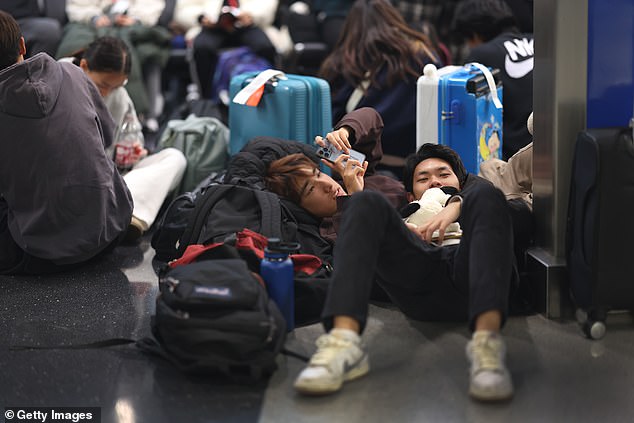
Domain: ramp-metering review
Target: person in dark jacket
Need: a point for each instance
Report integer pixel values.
(491, 32)
(426, 279)
(322, 21)
(315, 234)
(363, 128)
(376, 63)
(62, 201)
(41, 33)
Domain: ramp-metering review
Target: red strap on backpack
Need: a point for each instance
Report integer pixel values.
(250, 241)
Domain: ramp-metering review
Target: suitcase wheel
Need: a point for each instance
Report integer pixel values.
(593, 326)
(594, 330)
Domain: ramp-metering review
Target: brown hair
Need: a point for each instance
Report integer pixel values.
(286, 176)
(374, 36)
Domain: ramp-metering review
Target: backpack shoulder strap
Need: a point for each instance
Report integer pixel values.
(203, 205)
(271, 213)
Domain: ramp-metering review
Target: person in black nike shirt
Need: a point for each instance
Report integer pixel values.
(490, 30)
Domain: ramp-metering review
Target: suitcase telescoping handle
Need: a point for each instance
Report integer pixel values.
(251, 94)
(491, 82)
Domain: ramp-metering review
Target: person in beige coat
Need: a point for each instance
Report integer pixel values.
(515, 177)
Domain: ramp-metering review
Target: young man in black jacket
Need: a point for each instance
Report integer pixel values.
(425, 280)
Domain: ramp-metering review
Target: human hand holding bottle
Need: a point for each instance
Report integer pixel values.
(129, 146)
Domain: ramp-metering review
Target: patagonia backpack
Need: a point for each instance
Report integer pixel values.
(213, 316)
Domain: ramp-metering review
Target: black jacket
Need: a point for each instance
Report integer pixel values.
(249, 168)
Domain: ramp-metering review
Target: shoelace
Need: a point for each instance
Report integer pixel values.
(487, 355)
(327, 347)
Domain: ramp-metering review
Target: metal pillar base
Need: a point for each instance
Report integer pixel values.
(549, 279)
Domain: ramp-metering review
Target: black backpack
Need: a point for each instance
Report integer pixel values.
(211, 214)
(216, 211)
(214, 316)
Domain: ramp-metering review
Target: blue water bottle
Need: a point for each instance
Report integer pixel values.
(277, 271)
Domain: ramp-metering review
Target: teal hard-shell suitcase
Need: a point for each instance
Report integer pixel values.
(296, 108)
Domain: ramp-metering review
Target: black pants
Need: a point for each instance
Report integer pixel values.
(209, 41)
(452, 283)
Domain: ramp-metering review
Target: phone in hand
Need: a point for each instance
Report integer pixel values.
(331, 153)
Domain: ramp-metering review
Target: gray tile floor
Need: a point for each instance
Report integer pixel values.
(418, 370)
(419, 374)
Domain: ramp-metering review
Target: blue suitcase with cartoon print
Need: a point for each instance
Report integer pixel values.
(461, 107)
(292, 107)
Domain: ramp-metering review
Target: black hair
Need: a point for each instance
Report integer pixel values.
(428, 151)
(9, 40)
(108, 54)
(484, 18)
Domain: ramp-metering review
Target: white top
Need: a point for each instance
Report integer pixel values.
(146, 11)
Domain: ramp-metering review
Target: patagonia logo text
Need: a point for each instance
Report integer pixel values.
(216, 292)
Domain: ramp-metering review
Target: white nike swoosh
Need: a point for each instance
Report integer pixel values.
(518, 69)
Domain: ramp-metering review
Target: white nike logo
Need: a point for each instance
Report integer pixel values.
(518, 69)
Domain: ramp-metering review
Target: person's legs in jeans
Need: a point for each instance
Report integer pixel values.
(206, 46)
(254, 38)
(152, 74)
(415, 276)
(484, 262)
(373, 241)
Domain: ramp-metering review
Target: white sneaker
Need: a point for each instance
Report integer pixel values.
(339, 358)
(490, 379)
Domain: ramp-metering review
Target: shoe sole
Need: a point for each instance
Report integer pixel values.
(315, 389)
(485, 396)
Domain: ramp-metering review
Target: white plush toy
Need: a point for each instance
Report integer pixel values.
(431, 203)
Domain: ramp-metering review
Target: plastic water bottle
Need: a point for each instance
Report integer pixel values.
(277, 271)
(129, 141)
